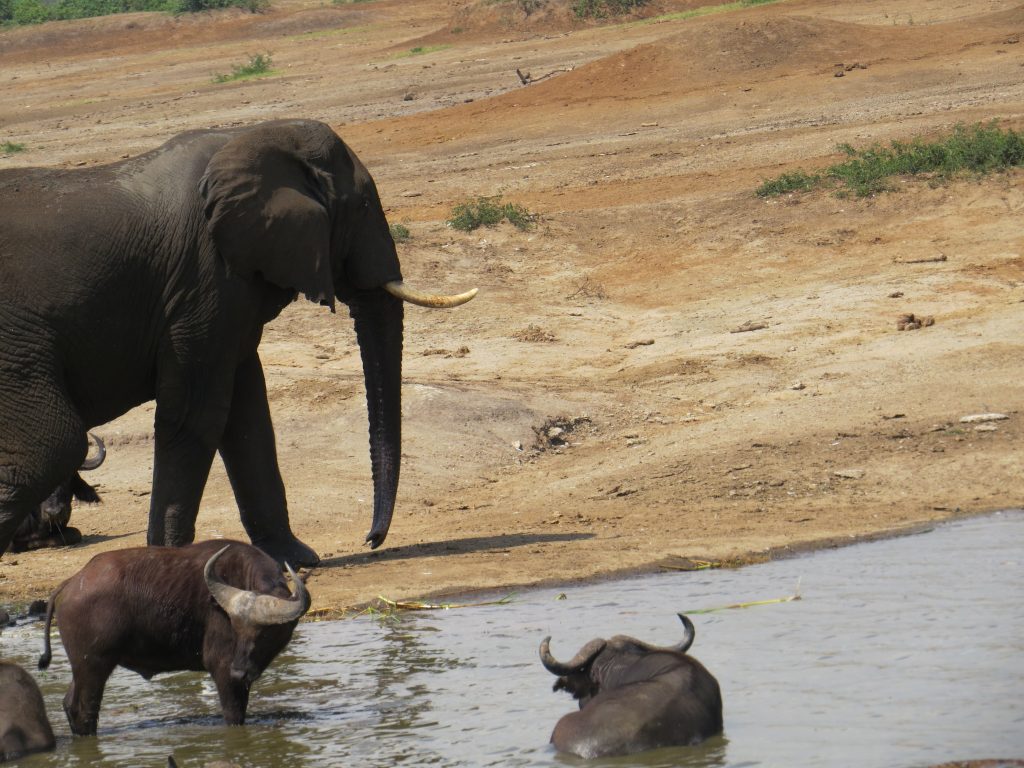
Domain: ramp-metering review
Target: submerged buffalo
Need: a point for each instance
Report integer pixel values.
(47, 525)
(24, 727)
(220, 606)
(634, 697)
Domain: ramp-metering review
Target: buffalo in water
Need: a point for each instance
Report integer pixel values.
(24, 727)
(634, 697)
(220, 606)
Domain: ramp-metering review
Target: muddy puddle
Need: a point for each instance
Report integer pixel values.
(904, 652)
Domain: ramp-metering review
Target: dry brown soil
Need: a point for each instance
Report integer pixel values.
(614, 318)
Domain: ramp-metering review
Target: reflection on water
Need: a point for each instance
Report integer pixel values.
(901, 653)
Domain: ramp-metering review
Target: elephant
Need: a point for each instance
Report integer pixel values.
(152, 278)
(220, 606)
(24, 726)
(47, 526)
(634, 697)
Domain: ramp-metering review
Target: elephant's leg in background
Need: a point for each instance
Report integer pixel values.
(250, 457)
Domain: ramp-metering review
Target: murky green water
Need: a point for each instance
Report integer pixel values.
(905, 652)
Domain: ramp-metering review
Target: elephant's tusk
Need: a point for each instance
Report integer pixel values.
(400, 290)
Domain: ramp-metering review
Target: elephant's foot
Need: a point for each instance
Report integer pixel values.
(289, 550)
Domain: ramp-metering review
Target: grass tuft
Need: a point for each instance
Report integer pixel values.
(399, 232)
(489, 212)
(978, 149)
(12, 147)
(599, 9)
(422, 50)
(259, 64)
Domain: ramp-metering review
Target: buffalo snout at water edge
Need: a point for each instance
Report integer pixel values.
(634, 696)
(219, 606)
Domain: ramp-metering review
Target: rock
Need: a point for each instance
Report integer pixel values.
(749, 325)
(978, 418)
(797, 385)
(986, 428)
(849, 474)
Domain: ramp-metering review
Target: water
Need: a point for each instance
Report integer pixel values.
(902, 653)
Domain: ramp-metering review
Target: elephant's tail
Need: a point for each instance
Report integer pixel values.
(51, 606)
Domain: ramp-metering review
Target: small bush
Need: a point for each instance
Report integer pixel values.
(798, 181)
(977, 149)
(259, 64)
(399, 232)
(489, 212)
(599, 9)
(11, 147)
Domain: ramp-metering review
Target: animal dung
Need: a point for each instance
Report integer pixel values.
(911, 322)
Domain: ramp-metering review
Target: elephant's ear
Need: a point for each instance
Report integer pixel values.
(267, 211)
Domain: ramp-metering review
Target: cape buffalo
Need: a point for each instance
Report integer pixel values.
(47, 525)
(222, 606)
(24, 727)
(634, 697)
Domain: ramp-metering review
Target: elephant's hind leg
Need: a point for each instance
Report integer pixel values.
(42, 443)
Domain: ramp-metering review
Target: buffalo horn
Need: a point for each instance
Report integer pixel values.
(400, 290)
(683, 646)
(578, 662)
(252, 607)
(101, 453)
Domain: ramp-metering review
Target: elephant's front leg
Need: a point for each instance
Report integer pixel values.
(250, 457)
(181, 466)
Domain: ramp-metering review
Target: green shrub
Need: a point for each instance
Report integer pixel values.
(599, 9)
(489, 212)
(11, 147)
(259, 64)
(29, 12)
(797, 181)
(976, 149)
(399, 232)
(34, 11)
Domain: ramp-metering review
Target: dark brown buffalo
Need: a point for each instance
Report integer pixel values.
(24, 727)
(634, 697)
(47, 525)
(220, 606)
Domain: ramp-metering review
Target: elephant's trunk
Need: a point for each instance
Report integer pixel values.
(378, 322)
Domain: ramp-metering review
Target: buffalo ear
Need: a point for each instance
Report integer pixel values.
(266, 207)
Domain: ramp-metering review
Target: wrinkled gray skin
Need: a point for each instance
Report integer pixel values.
(151, 610)
(152, 278)
(47, 526)
(634, 697)
(24, 727)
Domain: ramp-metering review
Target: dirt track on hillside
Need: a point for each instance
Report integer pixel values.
(617, 318)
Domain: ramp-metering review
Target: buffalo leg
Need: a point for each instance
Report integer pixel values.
(84, 696)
